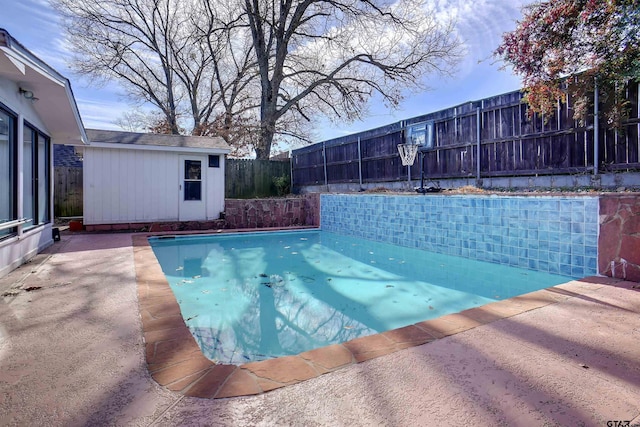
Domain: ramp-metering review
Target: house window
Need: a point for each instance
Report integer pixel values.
(43, 162)
(214, 161)
(8, 156)
(36, 179)
(192, 180)
(28, 177)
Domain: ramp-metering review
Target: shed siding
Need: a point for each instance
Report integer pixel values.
(215, 189)
(128, 185)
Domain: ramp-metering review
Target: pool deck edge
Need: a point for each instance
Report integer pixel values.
(175, 361)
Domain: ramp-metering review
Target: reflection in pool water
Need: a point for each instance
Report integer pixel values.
(255, 296)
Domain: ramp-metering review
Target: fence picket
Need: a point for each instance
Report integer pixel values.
(67, 196)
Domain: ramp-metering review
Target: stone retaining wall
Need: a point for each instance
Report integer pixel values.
(280, 212)
(619, 238)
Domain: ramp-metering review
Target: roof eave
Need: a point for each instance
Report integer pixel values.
(148, 147)
(58, 109)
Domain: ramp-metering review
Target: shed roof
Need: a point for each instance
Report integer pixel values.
(156, 140)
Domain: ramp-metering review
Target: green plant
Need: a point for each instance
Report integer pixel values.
(587, 40)
(282, 184)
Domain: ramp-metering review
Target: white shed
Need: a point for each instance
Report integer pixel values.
(141, 178)
(37, 109)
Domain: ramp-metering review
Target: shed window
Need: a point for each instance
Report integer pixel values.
(214, 161)
(192, 180)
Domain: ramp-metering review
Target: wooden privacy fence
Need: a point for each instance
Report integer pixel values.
(246, 178)
(67, 195)
(489, 138)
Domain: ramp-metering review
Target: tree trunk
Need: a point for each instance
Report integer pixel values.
(173, 125)
(268, 113)
(267, 131)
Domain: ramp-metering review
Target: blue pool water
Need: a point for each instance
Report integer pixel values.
(255, 296)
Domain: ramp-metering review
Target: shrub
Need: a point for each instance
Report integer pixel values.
(282, 184)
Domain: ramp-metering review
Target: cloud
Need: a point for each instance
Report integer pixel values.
(481, 24)
(37, 11)
(100, 113)
(37, 26)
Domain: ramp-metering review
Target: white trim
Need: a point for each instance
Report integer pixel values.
(8, 240)
(36, 229)
(192, 210)
(212, 150)
(25, 257)
(15, 61)
(14, 223)
(20, 175)
(28, 232)
(51, 183)
(76, 113)
(14, 55)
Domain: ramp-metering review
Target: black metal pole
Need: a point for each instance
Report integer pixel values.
(421, 190)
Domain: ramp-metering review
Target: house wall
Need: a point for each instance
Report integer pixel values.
(138, 185)
(16, 250)
(10, 97)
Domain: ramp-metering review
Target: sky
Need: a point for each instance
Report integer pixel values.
(480, 23)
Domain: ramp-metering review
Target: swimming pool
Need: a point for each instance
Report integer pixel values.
(254, 296)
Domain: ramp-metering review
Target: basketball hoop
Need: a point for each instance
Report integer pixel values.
(407, 153)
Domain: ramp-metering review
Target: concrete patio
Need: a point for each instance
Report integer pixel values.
(72, 353)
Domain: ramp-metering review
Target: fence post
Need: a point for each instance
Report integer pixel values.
(403, 130)
(478, 121)
(290, 171)
(324, 161)
(596, 125)
(359, 162)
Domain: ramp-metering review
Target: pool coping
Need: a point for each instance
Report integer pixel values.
(175, 361)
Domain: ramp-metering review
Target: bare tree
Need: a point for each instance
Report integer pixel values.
(332, 56)
(233, 76)
(132, 41)
(250, 71)
(187, 58)
(134, 120)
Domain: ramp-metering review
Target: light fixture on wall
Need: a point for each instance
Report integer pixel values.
(27, 94)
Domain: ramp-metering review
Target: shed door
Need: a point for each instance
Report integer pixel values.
(192, 188)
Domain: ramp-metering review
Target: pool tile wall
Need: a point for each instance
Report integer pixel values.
(557, 235)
